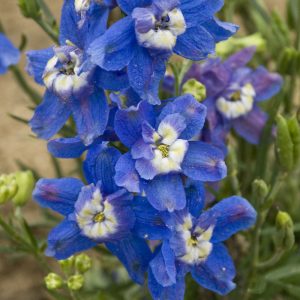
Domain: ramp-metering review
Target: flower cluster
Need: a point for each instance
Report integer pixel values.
(148, 159)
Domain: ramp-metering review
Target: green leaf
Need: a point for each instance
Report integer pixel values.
(283, 272)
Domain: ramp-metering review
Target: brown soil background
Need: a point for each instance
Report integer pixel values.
(20, 278)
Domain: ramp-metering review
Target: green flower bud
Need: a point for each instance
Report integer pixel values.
(8, 187)
(285, 236)
(195, 88)
(294, 129)
(25, 182)
(260, 191)
(75, 282)
(30, 8)
(53, 281)
(67, 264)
(83, 263)
(284, 145)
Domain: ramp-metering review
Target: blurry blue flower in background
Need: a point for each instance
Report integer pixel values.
(9, 54)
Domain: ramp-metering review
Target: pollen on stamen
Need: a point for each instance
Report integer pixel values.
(99, 218)
(164, 149)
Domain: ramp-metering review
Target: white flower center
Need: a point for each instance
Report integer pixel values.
(82, 5)
(239, 103)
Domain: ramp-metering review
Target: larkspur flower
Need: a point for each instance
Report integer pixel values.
(162, 152)
(234, 92)
(74, 85)
(97, 213)
(194, 244)
(154, 29)
(9, 54)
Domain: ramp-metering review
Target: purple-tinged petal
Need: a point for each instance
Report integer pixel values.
(100, 166)
(193, 112)
(163, 266)
(36, 63)
(217, 272)
(135, 254)
(128, 122)
(142, 150)
(204, 162)
(129, 5)
(145, 169)
(58, 194)
(49, 117)
(66, 147)
(126, 175)
(228, 217)
(166, 192)
(250, 127)
(116, 47)
(195, 44)
(66, 240)
(240, 59)
(91, 116)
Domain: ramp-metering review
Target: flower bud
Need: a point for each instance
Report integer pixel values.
(53, 281)
(25, 182)
(195, 88)
(284, 145)
(83, 263)
(30, 8)
(285, 237)
(8, 187)
(67, 264)
(260, 189)
(294, 129)
(75, 282)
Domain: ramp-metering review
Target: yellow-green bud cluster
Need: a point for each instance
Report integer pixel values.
(195, 88)
(8, 187)
(30, 8)
(285, 237)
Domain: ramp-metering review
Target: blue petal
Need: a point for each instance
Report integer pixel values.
(115, 48)
(195, 44)
(145, 73)
(36, 63)
(174, 292)
(149, 223)
(135, 255)
(66, 147)
(114, 81)
(142, 150)
(195, 197)
(220, 30)
(228, 217)
(49, 117)
(66, 240)
(198, 11)
(129, 5)
(91, 116)
(251, 126)
(217, 272)
(9, 54)
(166, 192)
(193, 111)
(100, 166)
(163, 266)
(126, 175)
(58, 194)
(204, 162)
(145, 168)
(128, 122)
(240, 59)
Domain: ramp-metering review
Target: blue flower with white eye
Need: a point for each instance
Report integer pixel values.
(162, 153)
(234, 92)
(193, 243)
(9, 54)
(74, 84)
(97, 213)
(154, 29)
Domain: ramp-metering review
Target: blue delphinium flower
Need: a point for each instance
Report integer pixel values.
(74, 85)
(154, 29)
(194, 244)
(162, 151)
(9, 54)
(234, 92)
(97, 213)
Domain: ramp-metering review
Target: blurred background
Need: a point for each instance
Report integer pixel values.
(20, 278)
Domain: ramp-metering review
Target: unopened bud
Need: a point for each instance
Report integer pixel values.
(30, 8)
(195, 88)
(8, 187)
(285, 237)
(75, 282)
(25, 182)
(53, 281)
(294, 129)
(260, 189)
(67, 264)
(83, 263)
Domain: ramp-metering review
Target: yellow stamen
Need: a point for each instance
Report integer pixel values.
(164, 149)
(99, 218)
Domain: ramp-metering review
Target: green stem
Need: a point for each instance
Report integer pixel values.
(176, 76)
(272, 261)
(48, 29)
(33, 95)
